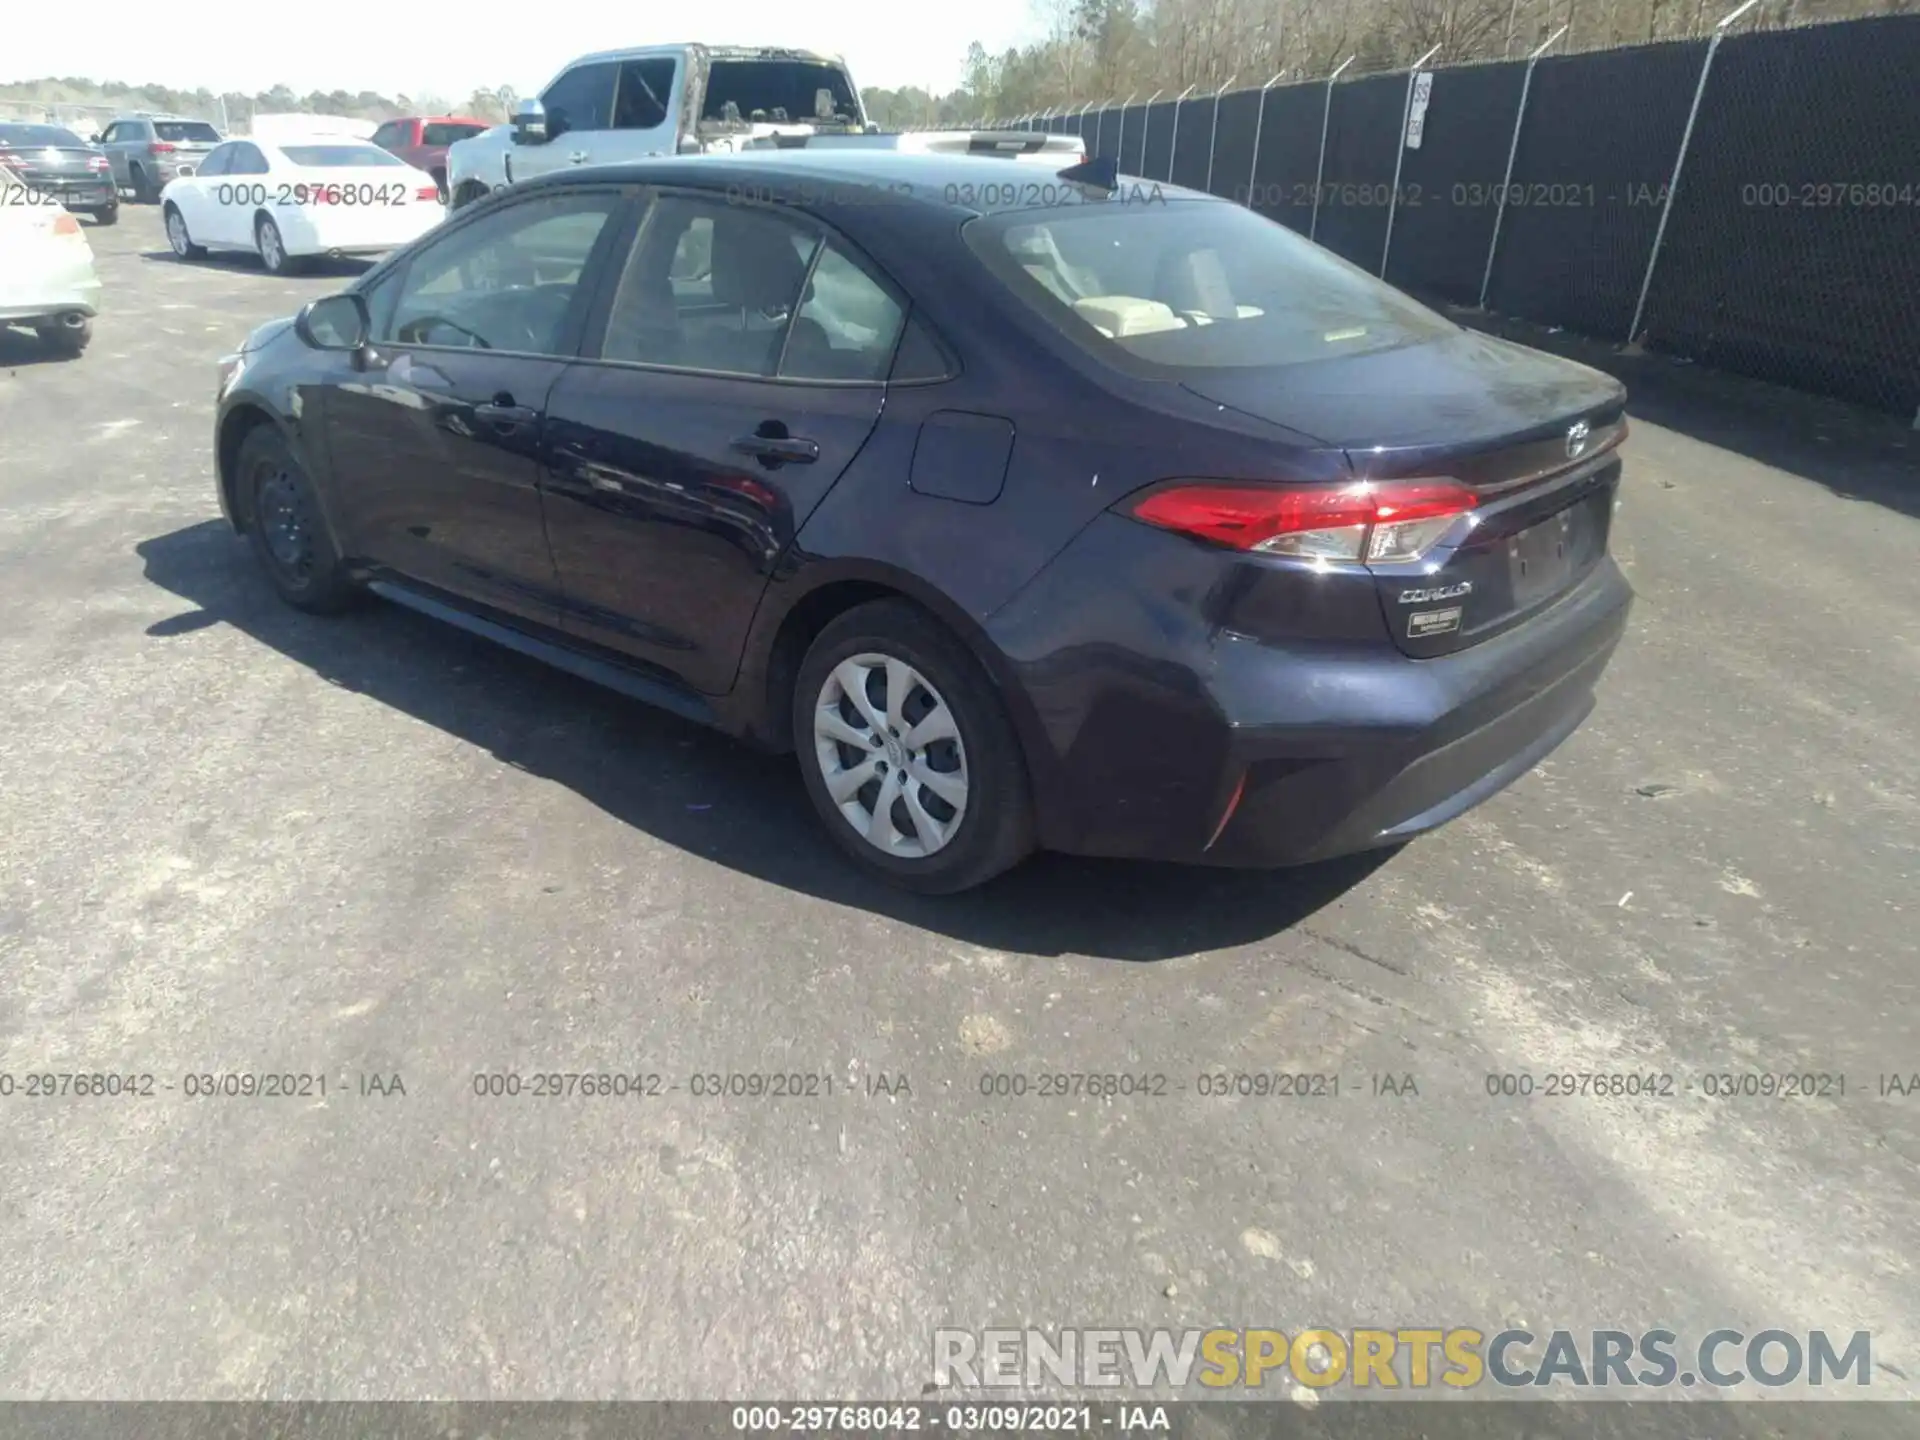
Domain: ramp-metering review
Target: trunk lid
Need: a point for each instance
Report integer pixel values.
(1533, 436)
(61, 162)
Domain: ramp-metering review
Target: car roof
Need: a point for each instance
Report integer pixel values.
(713, 52)
(966, 184)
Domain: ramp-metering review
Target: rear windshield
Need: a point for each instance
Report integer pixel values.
(448, 132)
(188, 132)
(338, 157)
(795, 90)
(36, 135)
(1193, 285)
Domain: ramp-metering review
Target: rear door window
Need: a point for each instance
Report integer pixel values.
(186, 132)
(646, 90)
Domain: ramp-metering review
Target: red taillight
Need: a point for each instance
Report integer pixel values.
(1392, 520)
(98, 162)
(427, 192)
(163, 147)
(64, 224)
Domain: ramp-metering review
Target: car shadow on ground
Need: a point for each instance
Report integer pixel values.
(23, 347)
(1858, 454)
(242, 262)
(710, 795)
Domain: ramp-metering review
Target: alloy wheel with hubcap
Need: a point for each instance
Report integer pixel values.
(273, 250)
(909, 755)
(891, 755)
(178, 237)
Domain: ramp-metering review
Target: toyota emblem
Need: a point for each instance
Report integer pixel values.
(1577, 440)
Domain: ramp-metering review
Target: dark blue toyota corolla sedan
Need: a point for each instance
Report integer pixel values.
(1027, 512)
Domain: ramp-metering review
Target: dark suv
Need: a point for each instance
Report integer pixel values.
(422, 141)
(146, 151)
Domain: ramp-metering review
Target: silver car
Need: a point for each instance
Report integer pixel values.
(146, 151)
(47, 279)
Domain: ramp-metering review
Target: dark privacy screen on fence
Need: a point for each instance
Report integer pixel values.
(1794, 246)
(1596, 149)
(1792, 252)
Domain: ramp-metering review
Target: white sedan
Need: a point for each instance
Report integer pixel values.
(302, 198)
(47, 279)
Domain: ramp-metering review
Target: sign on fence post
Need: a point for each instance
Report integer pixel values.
(1417, 114)
(1407, 140)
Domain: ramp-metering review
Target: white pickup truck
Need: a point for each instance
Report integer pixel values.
(701, 99)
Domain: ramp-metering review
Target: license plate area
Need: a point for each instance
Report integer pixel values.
(1517, 561)
(1543, 558)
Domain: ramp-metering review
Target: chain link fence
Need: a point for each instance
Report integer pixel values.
(1750, 201)
(88, 119)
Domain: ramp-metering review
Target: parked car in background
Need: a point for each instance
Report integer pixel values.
(1143, 529)
(658, 100)
(52, 160)
(422, 141)
(289, 203)
(147, 151)
(47, 279)
(704, 99)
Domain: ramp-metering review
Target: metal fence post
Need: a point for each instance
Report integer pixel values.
(1100, 127)
(1173, 150)
(1120, 140)
(1320, 172)
(1083, 128)
(1259, 119)
(1146, 128)
(1513, 150)
(1213, 139)
(1679, 160)
(1400, 157)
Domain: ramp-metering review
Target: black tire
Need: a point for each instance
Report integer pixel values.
(108, 216)
(995, 830)
(469, 192)
(284, 524)
(66, 340)
(273, 248)
(145, 192)
(440, 184)
(178, 236)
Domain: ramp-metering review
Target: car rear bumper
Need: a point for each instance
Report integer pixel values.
(95, 192)
(368, 231)
(51, 282)
(1160, 736)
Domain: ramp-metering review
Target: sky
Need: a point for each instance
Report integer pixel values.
(449, 50)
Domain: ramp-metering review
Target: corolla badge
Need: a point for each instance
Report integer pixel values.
(1577, 439)
(1437, 592)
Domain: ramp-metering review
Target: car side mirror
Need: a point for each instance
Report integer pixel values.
(530, 123)
(338, 322)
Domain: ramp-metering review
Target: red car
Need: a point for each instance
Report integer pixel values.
(422, 141)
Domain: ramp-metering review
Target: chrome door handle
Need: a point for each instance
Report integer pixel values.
(579, 157)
